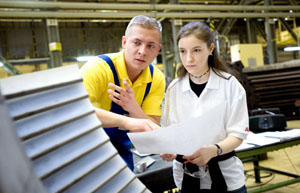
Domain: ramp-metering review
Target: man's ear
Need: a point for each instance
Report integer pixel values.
(160, 46)
(123, 41)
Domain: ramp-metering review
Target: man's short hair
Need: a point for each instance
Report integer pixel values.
(145, 22)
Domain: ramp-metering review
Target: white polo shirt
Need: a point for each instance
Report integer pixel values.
(181, 103)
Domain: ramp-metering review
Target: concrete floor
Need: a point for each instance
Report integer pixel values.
(287, 160)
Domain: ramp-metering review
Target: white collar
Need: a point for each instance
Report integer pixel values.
(212, 83)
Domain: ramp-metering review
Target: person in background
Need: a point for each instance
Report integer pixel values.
(203, 83)
(125, 88)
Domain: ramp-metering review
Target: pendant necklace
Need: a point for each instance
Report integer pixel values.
(198, 78)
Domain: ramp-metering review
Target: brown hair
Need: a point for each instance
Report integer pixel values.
(201, 31)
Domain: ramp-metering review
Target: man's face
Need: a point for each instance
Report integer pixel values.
(141, 46)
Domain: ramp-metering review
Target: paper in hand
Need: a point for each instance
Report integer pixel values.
(183, 138)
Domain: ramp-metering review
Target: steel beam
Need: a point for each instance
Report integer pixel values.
(98, 15)
(287, 27)
(140, 6)
(8, 67)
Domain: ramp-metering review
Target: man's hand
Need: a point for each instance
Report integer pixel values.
(110, 119)
(125, 97)
(168, 157)
(139, 125)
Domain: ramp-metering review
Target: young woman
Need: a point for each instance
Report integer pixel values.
(203, 83)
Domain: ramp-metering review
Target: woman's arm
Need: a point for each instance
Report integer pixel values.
(204, 154)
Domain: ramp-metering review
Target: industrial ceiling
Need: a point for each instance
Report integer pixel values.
(238, 17)
(125, 9)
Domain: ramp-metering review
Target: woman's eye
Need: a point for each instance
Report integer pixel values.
(181, 51)
(197, 50)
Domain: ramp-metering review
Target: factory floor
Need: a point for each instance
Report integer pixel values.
(287, 160)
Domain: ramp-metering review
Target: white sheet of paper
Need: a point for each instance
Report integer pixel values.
(282, 135)
(184, 138)
(244, 146)
(260, 139)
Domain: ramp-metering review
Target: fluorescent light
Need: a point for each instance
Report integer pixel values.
(1, 64)
(289, 49)
(84, 58)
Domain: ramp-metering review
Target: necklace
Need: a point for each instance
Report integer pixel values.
(198, 78)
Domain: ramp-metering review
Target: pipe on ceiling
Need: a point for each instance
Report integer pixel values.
(148, 6)
(99, 15)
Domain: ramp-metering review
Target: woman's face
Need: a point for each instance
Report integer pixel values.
(194, 54)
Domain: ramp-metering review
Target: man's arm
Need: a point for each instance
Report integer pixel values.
(154, 118)
(110, 119)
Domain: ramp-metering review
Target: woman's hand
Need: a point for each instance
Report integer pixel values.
(168, 157)
(203, 155)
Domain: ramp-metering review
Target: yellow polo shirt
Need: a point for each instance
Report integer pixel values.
(97, 75)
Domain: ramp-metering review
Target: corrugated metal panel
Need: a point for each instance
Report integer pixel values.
(70, 152)
(16, 173)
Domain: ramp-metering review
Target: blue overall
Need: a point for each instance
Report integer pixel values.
(119, 137)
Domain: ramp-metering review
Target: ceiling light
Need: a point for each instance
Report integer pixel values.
(290, 49)
(85, 58)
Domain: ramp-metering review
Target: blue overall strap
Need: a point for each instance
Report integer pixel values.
(112, 67)
(118, 137)
(149, 84)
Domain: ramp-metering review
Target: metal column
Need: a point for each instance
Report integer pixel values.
(54, 43)
(271, 37)
(251, 32)
(167, 50)
(176, 24)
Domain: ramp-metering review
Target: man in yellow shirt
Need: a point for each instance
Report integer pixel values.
(126, 83)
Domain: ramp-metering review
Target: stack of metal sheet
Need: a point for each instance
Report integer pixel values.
(62, 137)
